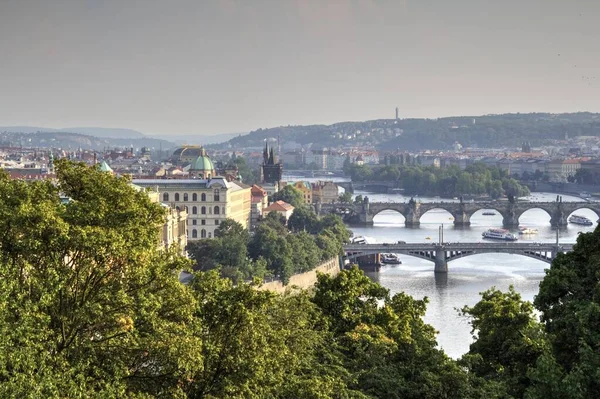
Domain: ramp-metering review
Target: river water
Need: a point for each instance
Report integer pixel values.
(468, 276)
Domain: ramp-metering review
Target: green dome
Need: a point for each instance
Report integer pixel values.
(203, 162)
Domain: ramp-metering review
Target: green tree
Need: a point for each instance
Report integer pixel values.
(508, 339)
(303, 219)
(570, 305)
(289, 194)
(345, 198)
(90, 305)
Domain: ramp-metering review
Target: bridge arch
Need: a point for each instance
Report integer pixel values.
(387, 216)
(595, 210)
(519, 214)
(445, 216)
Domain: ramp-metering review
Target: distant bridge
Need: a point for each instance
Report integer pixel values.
(441, 254)
(412, 211)
(376, 186)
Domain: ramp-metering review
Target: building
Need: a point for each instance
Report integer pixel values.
(207, 201)
(306, 190)
(202, 167)
(560, 169)
(186, 154)
(174, 230)
(260, 200)
(282, 208)
(271, 172)
(325, 192)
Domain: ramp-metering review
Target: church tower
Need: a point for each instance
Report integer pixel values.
(270, 171)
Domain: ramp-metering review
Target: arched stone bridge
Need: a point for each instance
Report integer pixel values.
(441, 254)
(412, 211)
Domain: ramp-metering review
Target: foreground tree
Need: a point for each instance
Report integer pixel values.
(508, 339)
(569, 300)
(89, 305)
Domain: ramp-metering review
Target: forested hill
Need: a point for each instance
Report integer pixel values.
(416, 134)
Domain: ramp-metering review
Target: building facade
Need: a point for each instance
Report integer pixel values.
(325, 192)
(207, 202)
(306, 190)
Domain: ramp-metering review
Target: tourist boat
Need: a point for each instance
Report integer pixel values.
(582, 220)
(359, 240)
(391, 259)
(527, 230)
(499, 234)
(488, 213)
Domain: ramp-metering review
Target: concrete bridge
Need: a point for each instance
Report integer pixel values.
(441, 254)
(363, 214)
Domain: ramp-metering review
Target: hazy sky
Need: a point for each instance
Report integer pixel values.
(203, 66)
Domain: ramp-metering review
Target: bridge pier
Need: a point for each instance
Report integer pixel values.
(365, 219)
(462, 219)
(510, 221)
(441, 265)
(559, 220)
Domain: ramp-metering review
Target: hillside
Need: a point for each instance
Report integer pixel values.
(75, 140)
(418, 134)
(101, 132)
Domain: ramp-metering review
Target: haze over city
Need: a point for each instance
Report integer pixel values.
(209, 67)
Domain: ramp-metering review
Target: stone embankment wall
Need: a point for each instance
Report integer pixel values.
(304, 280)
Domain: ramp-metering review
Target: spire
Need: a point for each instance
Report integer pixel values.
(266, 154)
(272, 157)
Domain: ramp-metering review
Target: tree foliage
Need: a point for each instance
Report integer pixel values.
(289, 194)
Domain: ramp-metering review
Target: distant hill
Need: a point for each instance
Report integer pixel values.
(196, 139)
(101, 132)
(487, 131)
(73, 141)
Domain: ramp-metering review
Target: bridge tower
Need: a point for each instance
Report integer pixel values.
(559, 218)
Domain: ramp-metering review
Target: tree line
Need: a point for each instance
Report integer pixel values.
(475, 179)
(277, 248)
(90, 306)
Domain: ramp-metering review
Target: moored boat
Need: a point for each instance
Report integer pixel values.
(499, 234)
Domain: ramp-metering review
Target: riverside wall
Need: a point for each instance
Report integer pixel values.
(304, 280)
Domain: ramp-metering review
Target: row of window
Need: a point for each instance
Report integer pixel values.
(176, 197)
(202, 233)
(203, 222)
(212, 211)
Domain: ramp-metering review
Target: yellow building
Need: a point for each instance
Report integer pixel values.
(325, 192)
(207, 202)
(174, 230)
(305, 189)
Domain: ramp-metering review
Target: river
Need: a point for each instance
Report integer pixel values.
(468, 276)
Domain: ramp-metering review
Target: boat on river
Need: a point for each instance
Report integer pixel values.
(582, 220)
(489, 213)
(499, 234)
(527, 230)
(390, 259)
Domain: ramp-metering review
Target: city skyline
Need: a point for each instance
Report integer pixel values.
(230, 66)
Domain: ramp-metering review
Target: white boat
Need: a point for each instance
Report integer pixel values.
(359, 240)
(391, 259)
(499, 234)
(582, 220)
(527, 230)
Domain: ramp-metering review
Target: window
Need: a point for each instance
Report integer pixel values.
(217, 222)
(186, 208)
(203, 210)
(217, 196)
(194, 197)
(166, 197)
(185, 196)
(216, 210)
(194, 210)
(194, 222)
(203, 197)
(195, 233)
(203, 222)
(176, 196)
(203, 233)
(209, 235)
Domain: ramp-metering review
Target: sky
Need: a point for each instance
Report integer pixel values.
(222, 66)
